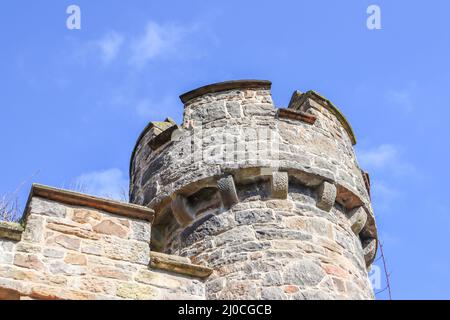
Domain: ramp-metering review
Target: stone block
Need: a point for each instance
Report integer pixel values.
(72, 230)
(34, 229)
(279, 185)
(29, 261)
(47, 208)
(253, 216)
(126, 250)
(326, 196)
(181, 210)
(357, 218)
(111, 228)
(137, 292)
(369, 250)
(304, 273)
(75, 259)
(67, 242)
(227, 191)
(141, 230)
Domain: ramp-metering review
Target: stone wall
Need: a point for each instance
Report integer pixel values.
(276, 249)
(273, 199)
(75, 246)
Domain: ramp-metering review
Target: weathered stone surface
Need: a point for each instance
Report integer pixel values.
(133, 251)
(29, 261)
(274, 233)
(273, 293)
(238, 234)
(93, 248)
(110, 272)
(53, 253)
(72, 230)
(86, 216)
(357, 218)
(10, 230)
(326, 196)
(98, 286)
(59, 267)
(6, 258)
(279, 185)
(34, 230)
(28, 247)
(254, 216)
(111, 228)
(137, 292)
(179, 265)
(8, 294)
(47, 208)
(303, 273)
(227, 191)
(67, 242)
(369, 249)
(141, 230)
(75, 259)
(234, 109)
(181, 210)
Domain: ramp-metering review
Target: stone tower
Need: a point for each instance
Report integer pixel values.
(271, 198)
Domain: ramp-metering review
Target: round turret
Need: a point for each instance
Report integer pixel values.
(272, 199)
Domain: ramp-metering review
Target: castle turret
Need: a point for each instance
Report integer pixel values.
(272, 199)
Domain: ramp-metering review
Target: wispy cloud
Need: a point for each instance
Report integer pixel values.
(109, 46)
(385, 157)
(378, 156)
(403, 99)
(156, 41)
(109, 183)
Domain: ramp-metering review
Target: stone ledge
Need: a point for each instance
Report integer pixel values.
(178, 264)
(79, 199)
(296, 115)
(10, 230)
(162, 138)
(341, 194)
(225, 86)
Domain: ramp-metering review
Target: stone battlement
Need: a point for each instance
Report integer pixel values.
(236, 155)
(242, 200)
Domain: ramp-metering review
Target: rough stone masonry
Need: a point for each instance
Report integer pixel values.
(242, 200)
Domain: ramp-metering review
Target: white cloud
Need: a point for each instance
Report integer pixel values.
(387, 158)
(157, 40)
(109, 46)
(379, 156)
(109, 183)
(402, 98)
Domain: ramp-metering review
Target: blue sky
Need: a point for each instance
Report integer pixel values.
(73, 102)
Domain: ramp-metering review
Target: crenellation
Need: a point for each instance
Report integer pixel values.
(309, 197)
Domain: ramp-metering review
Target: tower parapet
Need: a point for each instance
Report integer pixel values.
(272, 199)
